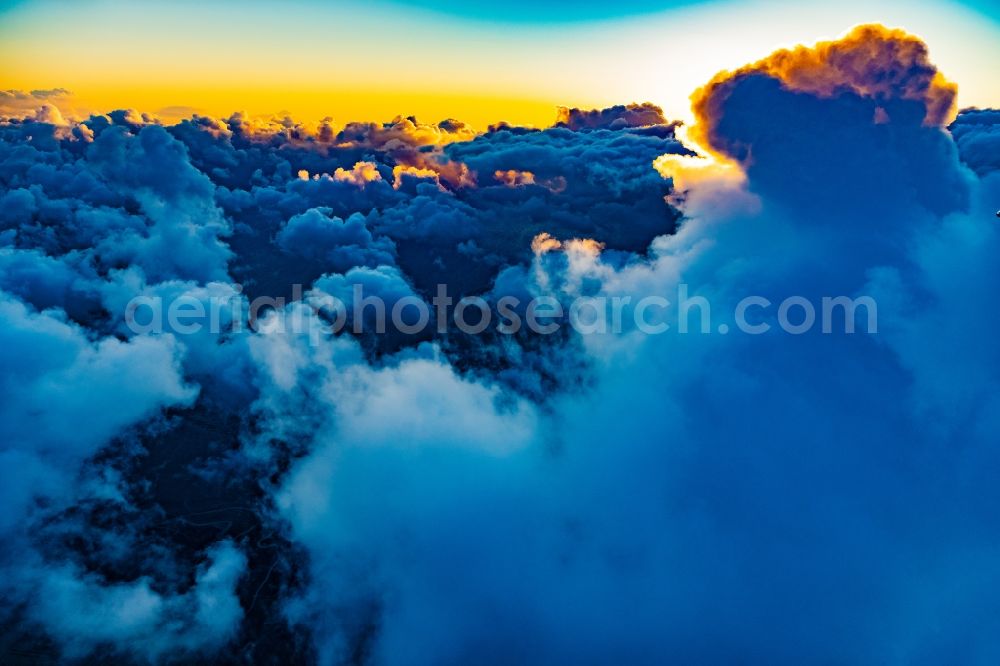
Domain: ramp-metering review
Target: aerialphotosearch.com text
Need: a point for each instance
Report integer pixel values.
(363, 313)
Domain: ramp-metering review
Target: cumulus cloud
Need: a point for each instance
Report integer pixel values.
(84, 614)
(360, 174)
(613, 117)
(17, 103)
(46, 358)
(977, 135)
(871, 62)
(339, 244)
(65, 397)
(513, 177)
(862, 113)
(384, 282)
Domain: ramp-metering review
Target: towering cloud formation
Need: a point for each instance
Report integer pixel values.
(871, 62)
(863, 112)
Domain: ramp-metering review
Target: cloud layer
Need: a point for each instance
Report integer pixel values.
(261, 491)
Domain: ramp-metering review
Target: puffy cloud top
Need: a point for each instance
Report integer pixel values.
(872, 62)
(613, 117)
(977, 134)
(860, 114)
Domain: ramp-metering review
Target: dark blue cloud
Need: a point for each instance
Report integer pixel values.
(977, 135)
(338, 244)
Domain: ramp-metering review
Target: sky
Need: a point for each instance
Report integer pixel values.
(763, 430)
(479, 62)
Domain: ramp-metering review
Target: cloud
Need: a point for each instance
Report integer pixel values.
(860, 114)
(977, 135)
(46, 359)
(17, 103)
(403, 131)
(184, 238)
(360, 174)
(384, 282)
(513, 177)
(613, 117)
(84, 614)
(47, 113)
(339, 244)
(871, 62)
(66, 396)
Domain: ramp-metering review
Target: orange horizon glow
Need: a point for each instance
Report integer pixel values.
(313, 106)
